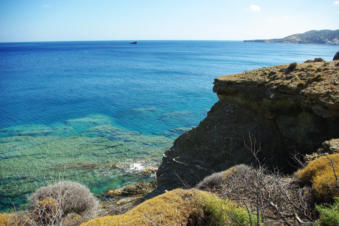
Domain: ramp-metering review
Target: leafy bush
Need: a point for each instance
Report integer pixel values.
(322, 173)
(329, 216)
(51, 203)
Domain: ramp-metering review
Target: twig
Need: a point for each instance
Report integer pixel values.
(334, 172)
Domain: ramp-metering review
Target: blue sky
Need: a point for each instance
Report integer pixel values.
(66, 20)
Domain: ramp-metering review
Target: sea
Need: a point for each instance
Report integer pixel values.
(102, 113)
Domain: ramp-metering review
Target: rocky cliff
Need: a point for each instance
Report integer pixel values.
(276, 111)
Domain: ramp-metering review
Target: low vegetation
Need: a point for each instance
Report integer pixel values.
(329, 216)
(226, 212)
(241, 195)
(271, 196)
(65, 203)
(322, 173)
(180, 207)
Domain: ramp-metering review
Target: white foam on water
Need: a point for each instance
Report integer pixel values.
(136, 166)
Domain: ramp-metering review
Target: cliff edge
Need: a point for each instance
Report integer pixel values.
(278, 111)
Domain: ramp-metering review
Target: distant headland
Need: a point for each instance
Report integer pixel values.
(310, 37)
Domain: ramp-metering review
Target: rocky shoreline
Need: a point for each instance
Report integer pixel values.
(283, 110)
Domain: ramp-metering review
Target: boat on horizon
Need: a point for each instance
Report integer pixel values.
(133, 42)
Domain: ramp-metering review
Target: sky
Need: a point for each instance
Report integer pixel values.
(79, 20)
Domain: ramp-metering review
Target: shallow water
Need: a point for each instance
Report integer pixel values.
(101, 112)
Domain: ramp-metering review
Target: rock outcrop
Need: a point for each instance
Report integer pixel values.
(276, 112)
(336, 56)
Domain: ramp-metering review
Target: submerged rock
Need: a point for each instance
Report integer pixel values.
(139, 188)
(266, 110)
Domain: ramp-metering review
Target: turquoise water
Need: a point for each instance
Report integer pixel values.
(101, 113)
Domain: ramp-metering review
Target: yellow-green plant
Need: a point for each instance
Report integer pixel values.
(225, 212)
(7, 219)
(16, 219)
(180, 207)
(323, 173)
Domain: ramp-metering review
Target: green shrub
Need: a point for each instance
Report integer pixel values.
(329, 216)
(225, 212)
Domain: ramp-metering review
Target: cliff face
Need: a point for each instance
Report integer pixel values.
(278, 111)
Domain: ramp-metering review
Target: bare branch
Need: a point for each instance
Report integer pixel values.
(334, 172)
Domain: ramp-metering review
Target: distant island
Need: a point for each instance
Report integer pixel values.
(309, 37)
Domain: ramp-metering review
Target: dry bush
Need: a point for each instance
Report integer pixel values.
(270, 195)
(323, 174)
(51, 203)
(16, 219)
(46, 212)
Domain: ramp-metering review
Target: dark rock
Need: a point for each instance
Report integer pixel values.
(336, 56)
(291, 67)
(257, 111)
(327, 147)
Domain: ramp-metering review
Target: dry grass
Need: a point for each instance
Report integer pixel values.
(16, 219)
(316, 80)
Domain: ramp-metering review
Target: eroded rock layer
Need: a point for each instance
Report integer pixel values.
(276, 111)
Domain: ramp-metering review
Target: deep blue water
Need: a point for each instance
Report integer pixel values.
(54, 81)
(81, 90)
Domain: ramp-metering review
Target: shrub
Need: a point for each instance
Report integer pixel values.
(226, 212)
(51, 203)
(215, 181)
(46, 212)
(178, 207)
(322, 173)
(329, 216)
(270, 195)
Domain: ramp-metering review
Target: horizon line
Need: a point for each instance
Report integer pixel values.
(125, 40)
